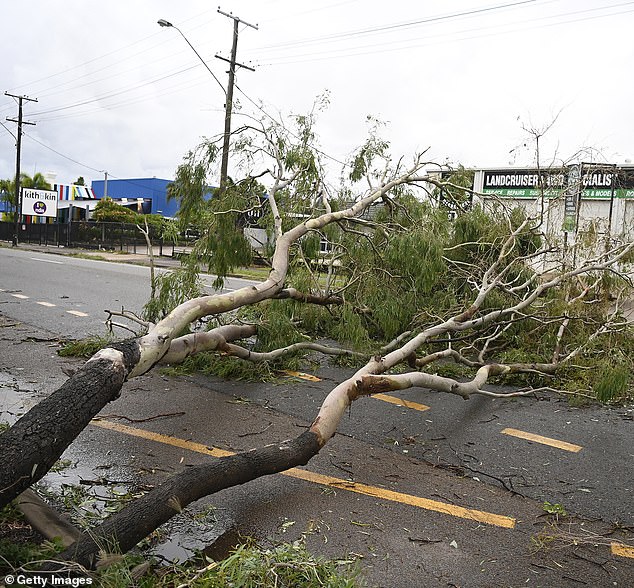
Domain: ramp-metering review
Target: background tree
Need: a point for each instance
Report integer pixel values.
(7, 197)
(7, 188)
(38, 181)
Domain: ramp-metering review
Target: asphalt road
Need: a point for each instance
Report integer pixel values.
(421, 487)
(70, 295)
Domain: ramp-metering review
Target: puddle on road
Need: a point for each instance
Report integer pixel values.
(17, 395)
(88, 491)
(195, 532)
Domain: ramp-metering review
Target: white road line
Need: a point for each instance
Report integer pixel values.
(20, 296)
(223, 290)
(76, 313)
(47, 260)
(49, 304)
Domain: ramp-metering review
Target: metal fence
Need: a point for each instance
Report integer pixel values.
(86, 235)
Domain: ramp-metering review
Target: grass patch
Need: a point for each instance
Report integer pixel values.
(84, 347)
(92, 256)
(287, 565)
(19, 545)
(613, 383)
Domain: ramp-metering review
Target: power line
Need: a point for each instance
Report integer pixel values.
(396, 26)
(62, 155)
(108, 54)
(282, 59)
(8, 130)
(380, 48)
(173, 89)
(115, 93)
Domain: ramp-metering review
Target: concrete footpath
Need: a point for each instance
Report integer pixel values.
(142, 256)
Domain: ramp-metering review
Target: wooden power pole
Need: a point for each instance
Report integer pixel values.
(228, 106)
(20, 121)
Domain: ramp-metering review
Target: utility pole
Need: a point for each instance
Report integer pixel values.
(228, 106)
(16, 214)
(105, 185)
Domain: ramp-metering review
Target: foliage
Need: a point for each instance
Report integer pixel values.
(223, 367)
(613, 382)
(219, 217)
(402, 267)
(83, 347)
(173, 288)
(375, 149)
(554, 509)
(288, 565)
(455, 192)
(7, 187)
(107, 210)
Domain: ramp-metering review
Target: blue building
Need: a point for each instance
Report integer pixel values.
(149, 193)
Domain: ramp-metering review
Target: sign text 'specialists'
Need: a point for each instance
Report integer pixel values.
(596, 182)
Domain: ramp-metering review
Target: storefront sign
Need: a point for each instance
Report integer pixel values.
(595, 182)
(39, 202)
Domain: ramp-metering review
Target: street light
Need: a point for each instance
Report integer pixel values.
(164, 23)
(228, 92)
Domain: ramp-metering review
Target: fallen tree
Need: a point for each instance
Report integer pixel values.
(400, 285)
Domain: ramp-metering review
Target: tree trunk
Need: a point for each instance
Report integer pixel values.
(36, 441)
(123, 530)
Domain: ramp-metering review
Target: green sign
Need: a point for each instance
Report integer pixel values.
(598, 182)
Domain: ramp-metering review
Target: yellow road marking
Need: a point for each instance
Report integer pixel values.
(425, 503)
(543, 440)
(622, 550)
(382, 493)
(166, 439)
(300, 375)
(400, 402)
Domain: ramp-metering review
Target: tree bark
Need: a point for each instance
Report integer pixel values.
(35, 442)
(123, 530)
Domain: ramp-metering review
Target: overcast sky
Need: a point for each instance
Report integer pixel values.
(117, 92)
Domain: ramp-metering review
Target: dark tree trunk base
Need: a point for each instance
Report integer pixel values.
(35, 442)
(131, 525)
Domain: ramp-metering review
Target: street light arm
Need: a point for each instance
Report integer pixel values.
(164, 23)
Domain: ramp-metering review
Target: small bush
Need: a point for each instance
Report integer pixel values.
(613, 383)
